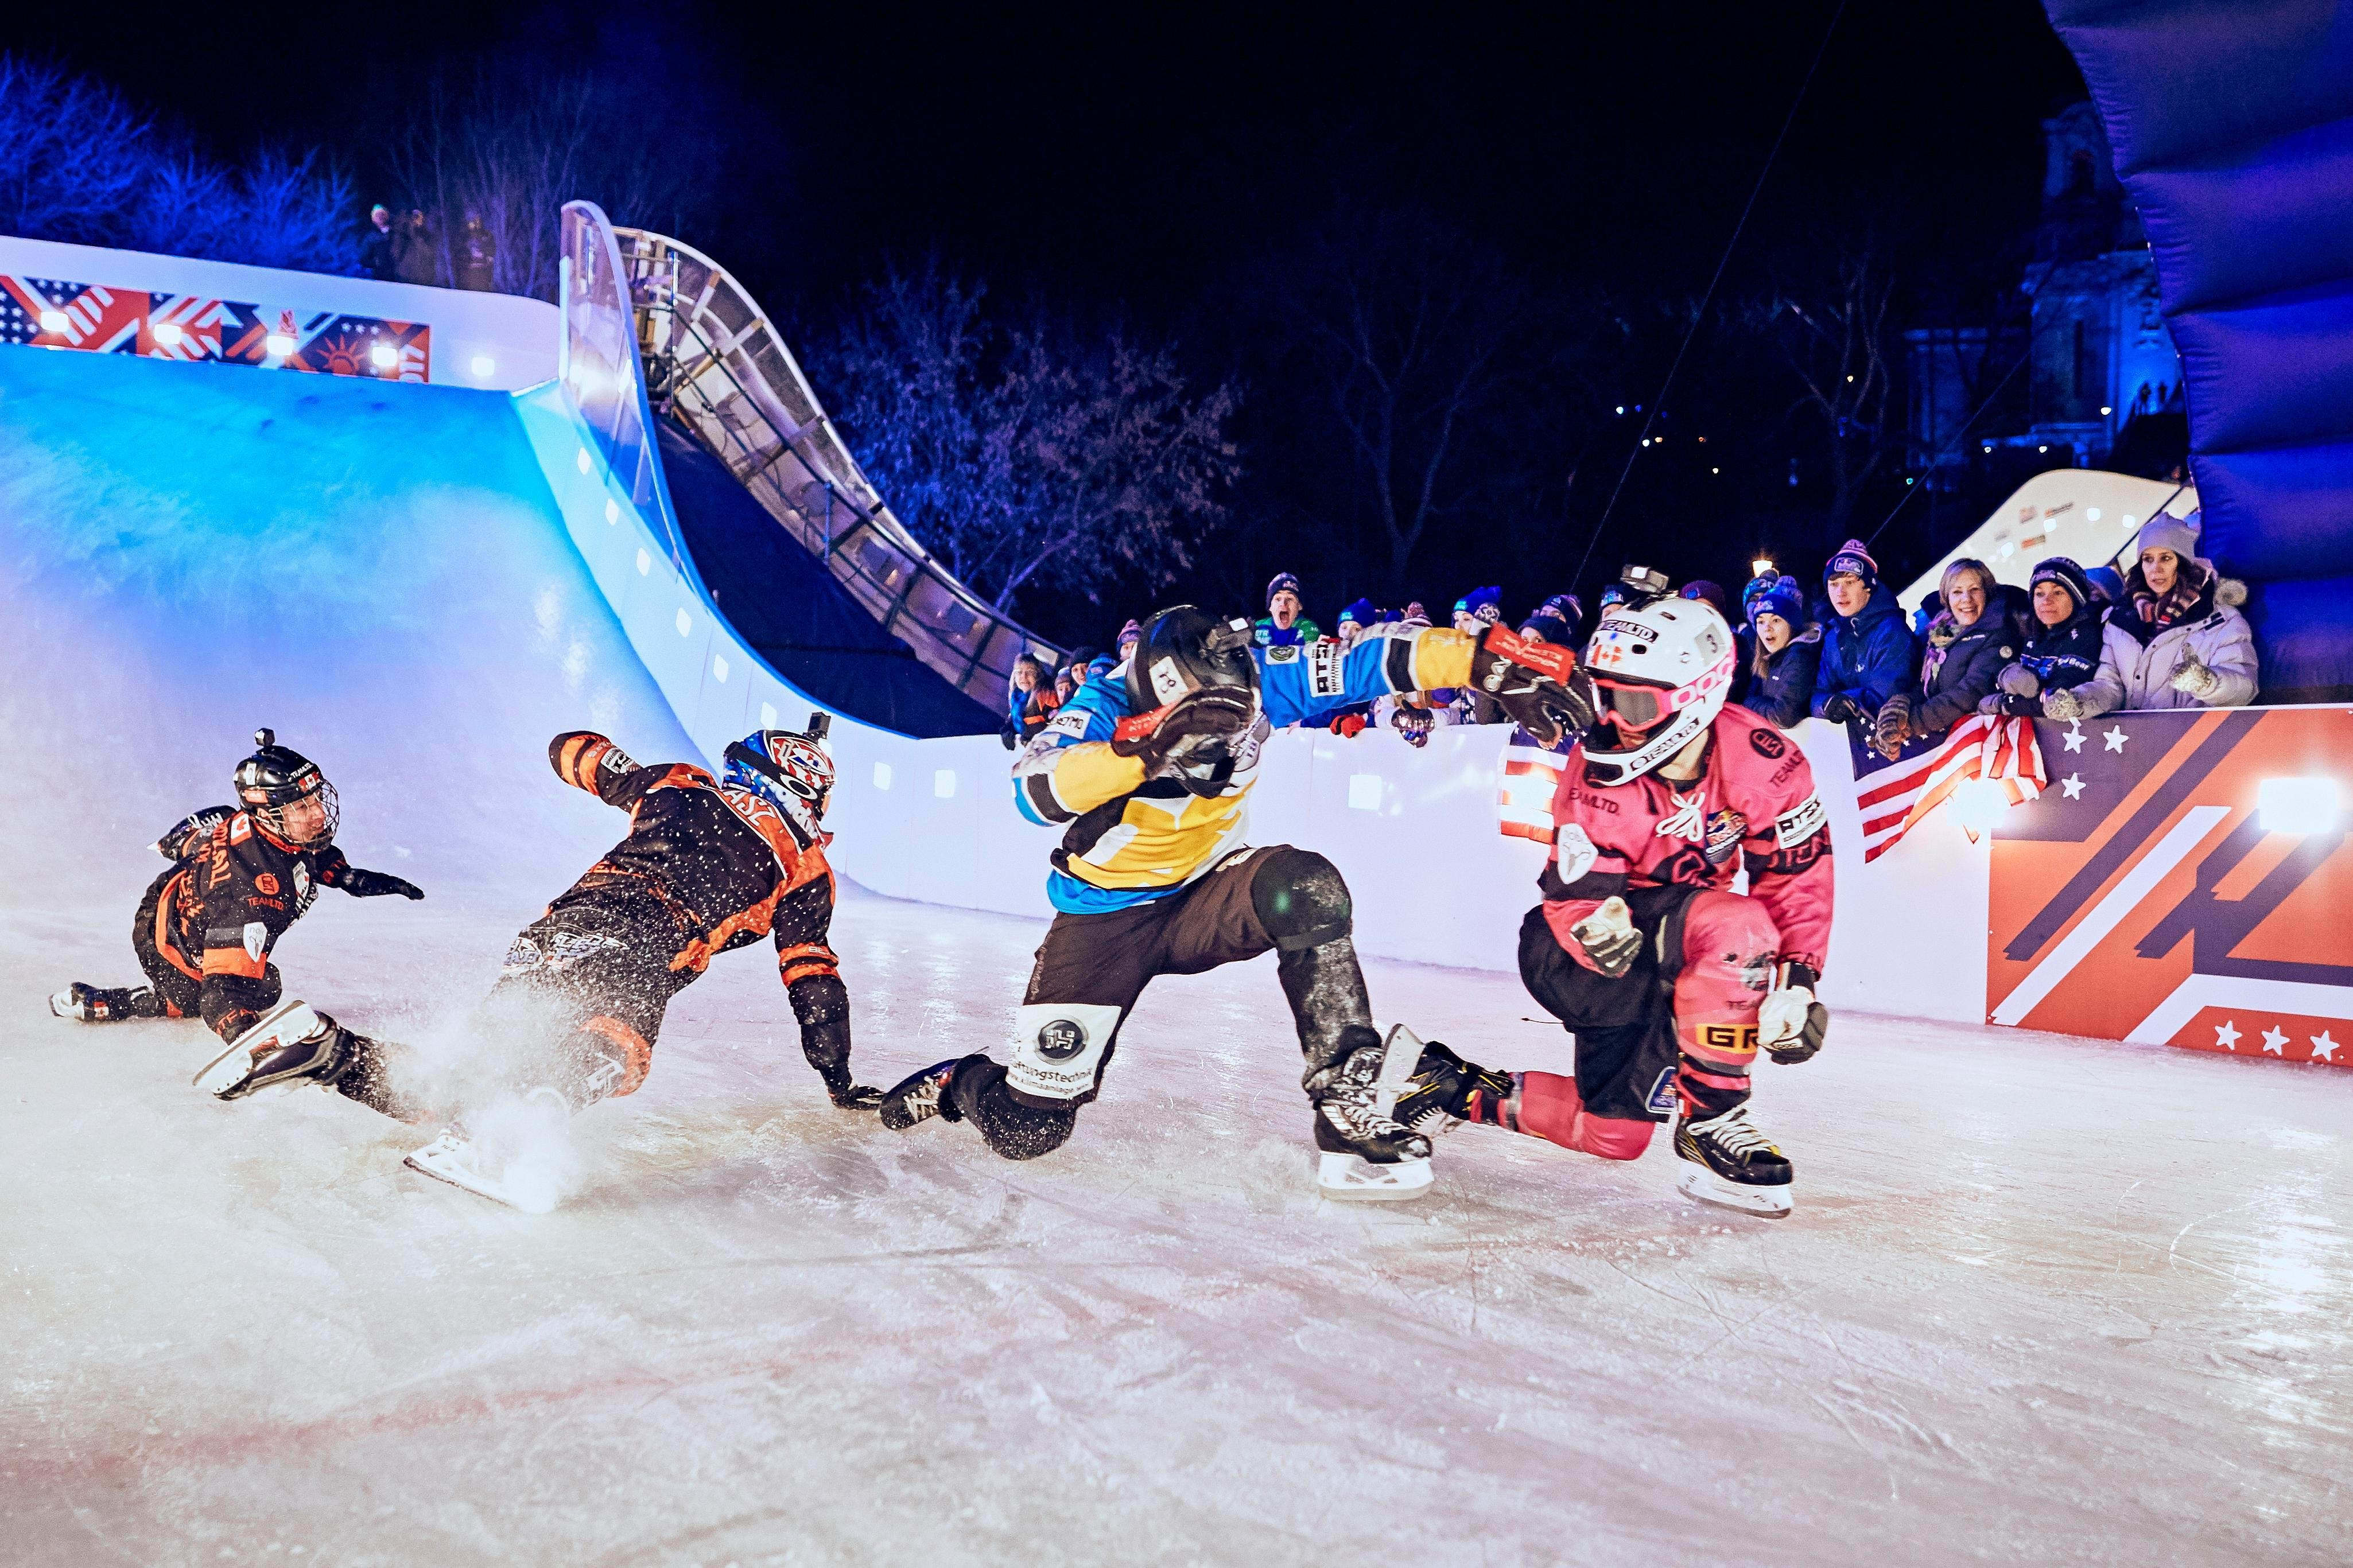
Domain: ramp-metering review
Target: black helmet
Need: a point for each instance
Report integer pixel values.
(276, 776)
(1185, 650)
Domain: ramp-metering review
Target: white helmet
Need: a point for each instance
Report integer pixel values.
(1660, 672)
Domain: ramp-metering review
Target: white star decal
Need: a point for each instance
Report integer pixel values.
(2275, 1041)
(2226, 1035)
(2074, 735)
(2323, 1049)
(2073, 784)
(2115, 738)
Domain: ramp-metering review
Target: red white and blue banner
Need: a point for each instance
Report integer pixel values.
(49, 312)
(2150, 895)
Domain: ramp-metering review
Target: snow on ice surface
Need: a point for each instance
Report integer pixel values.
(2042, 1300)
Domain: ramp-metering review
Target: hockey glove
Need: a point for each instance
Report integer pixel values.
(1841, 708)
(1414, 723)
(1609, 937)
(2062, 705)
(1195, 722)
(2017, 680)
(362, 884)
(1537, 684)
(1790, 1023)
(1892, 727)
(2192, 678)
(1348, 725)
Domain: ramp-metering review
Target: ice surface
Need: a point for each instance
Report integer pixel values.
(2042, 1301)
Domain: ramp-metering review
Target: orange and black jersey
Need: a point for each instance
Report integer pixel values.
(728, 866)
(235, 892)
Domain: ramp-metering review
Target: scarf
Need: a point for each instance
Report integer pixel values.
(2178, 603)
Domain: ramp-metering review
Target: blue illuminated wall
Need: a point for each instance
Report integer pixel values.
(2232, 124)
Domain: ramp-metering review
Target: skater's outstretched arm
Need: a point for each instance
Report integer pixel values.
(587, 761)
(812, 977)
(335, 872)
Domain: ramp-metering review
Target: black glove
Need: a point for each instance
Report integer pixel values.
(1010, 735)
(362, 884)
(1842, 710)
(1537, 684)
(1193, 722)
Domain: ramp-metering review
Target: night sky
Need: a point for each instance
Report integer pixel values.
(1123, 157)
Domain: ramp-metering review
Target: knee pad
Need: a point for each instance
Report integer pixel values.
(1300, 899)
(1725, 928)
(1058, 1049)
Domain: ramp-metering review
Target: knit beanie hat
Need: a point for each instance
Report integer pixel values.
(2166, 531)
(2063, 571)
(1362, 613)
(1482, 604)
(2107, 583)
(1777, 597)
(1284, 582)
(1700, 588)
(1851, 560)
(1129, 633)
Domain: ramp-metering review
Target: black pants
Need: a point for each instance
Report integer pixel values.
(1627, 1052)
(175, 980)
(581, 999)
(1091, 969)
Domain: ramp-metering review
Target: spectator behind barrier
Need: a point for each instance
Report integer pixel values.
(376, 249)
(2176, 640)
(1353, 620)
(1474, 612)
(2062, 651)
(1789, 652)
(2108, 585)
(416, 254)
(1285, 624)
(1867, 650)
(1555, 621)
(1970, 642)
(1028, 673)
(1129, 635)
(477, 255)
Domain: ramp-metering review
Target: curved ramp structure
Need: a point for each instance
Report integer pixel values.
(2233, 125)
(722, 368)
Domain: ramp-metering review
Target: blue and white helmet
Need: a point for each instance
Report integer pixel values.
(789, 769)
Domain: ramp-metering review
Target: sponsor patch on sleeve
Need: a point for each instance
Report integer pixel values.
(1071, 720)
(1801, 822)
(1326, 673)
(1576, 851)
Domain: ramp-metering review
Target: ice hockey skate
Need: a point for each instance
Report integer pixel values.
(515, 1163)
(918, 1097)
(1364, 1153)
(283, 1046)
(1729, 1164)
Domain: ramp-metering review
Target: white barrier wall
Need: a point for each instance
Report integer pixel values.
(515, 338)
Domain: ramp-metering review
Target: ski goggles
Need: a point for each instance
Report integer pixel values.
(1635, 707)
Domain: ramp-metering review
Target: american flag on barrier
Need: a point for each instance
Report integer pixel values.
(1531, 774)
(1890, 797)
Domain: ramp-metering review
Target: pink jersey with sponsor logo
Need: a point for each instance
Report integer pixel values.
(1754, 804)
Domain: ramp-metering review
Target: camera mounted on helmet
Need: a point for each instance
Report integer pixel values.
(790, 769)
(276, 778)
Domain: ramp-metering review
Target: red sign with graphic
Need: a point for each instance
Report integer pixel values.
(50, 312)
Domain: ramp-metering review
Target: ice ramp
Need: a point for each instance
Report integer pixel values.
(378, 573)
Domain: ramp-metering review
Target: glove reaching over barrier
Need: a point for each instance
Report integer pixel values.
(2017, 680)
(2062, 705)
(1892, 727)
(1841, 708)
(1790, 1023)
(2192, 678)
(1414, 723)
(1609, 937)
(1195, 722)
(1537, 684)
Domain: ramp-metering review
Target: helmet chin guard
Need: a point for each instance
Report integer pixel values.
(1676, 656)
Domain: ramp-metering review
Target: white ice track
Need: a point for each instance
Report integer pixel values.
(2042, 1301)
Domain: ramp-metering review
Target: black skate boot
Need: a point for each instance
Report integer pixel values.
(1365, 1154)
(1729, 1164)
(288, 1044)
(105, 1004)
(1445, 1089)
(921, 1096)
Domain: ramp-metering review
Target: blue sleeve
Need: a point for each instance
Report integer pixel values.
(1092, 713)
(1320, 679)
(1887, 667)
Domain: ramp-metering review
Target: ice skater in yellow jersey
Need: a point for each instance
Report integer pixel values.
(1148, 771)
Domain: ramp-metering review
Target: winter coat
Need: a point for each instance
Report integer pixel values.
(1961, 666)
(2137, 660)
(1867, 656)
(1302, 632)
(1785, 693)
(2063, 657)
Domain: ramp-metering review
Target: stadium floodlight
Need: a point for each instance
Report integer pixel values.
(1761, 567)
(2302, 806)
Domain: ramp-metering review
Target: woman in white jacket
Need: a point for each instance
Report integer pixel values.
(2176, 640)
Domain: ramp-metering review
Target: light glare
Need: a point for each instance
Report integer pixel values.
(2309, 804)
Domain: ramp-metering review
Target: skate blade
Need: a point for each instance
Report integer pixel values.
(62, 1005)
(1704, 1185)
(225, 1072)
(234, 1065)
(450, 1158)
(1352, 1178)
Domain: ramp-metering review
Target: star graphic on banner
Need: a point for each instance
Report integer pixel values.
(2074, 735)
(2323, 1049)
(2226, 1034)
(2073, 784)
(2275, 1041)
(2115, 738)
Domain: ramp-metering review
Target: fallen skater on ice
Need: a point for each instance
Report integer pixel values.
(240, 876)
(1149, 769)
(1670, 981)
